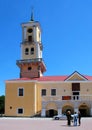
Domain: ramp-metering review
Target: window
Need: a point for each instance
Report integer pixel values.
(43, 93)
(30, 38)
(75, 93)
(20, 110)
(26, 51)
(29, 68)
(75, 86)
(21, 92)
(32, 51)
(53, 92)
(66, 97)
(30, 30)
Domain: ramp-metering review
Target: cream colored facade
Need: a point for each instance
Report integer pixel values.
(36, 95)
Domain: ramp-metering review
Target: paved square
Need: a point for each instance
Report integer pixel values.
(41, 124)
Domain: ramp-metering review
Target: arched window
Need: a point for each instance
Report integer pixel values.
(26, 51)
(32, 51)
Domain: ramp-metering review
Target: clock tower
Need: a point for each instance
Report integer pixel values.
(31, 63)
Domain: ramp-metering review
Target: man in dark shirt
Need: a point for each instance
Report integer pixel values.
(68, 118)
(79, 118)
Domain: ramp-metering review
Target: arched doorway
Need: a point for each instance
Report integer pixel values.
(66, 108)
(51, 113)
(84, 110)
(51, 109)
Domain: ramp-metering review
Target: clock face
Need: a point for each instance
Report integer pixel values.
(30, 30)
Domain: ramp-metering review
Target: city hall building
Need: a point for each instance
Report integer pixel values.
(33, 94)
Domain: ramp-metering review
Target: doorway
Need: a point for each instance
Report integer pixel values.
(83, 112)
(51, 113)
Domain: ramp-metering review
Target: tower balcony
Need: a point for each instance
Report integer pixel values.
(27, 42)
(37, 61)
(28, 61)
(30, 42)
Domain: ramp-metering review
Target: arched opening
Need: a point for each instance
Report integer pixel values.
(67, 108)
(32, 50)
(51, 113)
(84, 110)
(26, 51)
(51, 109)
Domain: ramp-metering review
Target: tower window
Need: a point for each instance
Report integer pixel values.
(29, 68)
(30, 30)
(26, 51)
(32, 51)
(30, 38)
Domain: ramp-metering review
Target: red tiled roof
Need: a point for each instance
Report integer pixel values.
(43, 78)
(49, 78)
(52, 78)
(88, 77)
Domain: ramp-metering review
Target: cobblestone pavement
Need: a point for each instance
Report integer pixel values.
(42, 124)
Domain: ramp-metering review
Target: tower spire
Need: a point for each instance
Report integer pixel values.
(32, 15)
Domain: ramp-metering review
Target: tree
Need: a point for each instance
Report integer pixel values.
(2, 104)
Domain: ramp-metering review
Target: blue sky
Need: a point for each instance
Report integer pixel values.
(66, 35)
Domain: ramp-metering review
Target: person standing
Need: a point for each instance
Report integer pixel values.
(75, 119)
(68, 118)
(79, 118)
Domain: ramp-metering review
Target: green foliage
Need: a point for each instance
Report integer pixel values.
(2, 104)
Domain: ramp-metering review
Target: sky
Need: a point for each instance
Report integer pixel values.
(66, 36)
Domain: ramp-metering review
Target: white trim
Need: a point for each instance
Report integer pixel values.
(35, 98)
(20, 81)
(43, 112)
(36, 81)
(78, 81)
(69, 77)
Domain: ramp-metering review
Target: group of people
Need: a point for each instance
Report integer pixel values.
(75, 118)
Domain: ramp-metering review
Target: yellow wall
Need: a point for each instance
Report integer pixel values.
(86, 88)
(27, 101)
(61, 88)
(32, 100)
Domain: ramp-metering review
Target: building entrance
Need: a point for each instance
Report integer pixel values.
(67, 108)
(83, 112)
(51, 113)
